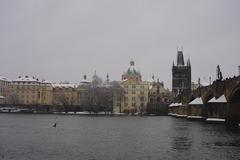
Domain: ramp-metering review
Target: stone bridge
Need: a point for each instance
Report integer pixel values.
(228, 110)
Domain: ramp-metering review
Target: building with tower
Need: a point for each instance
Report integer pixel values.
(135, 92)
(159, 98)
(181, 75)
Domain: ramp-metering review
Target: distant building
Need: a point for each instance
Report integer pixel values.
(135, 92)
(4, 89)
(84, 91)
(181, 75)
(30, 91)
(159, 98)
(65, 94)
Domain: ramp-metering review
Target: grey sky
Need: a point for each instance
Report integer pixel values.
(63, 39)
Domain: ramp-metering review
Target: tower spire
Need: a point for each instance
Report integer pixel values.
(107, 77)
(180, 58)
(131, 62)
(85, 76)
(188, 62)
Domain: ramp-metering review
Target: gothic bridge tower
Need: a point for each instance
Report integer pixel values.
(181, 75)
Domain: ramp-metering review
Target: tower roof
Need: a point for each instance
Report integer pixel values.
(131, 73)
(131, 69)
(180, 58)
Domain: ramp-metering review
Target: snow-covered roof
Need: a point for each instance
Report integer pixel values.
(4, 78)
(205, 84)
(221, 99)
(26, 79)
(171, 105)
(202, 84)
(85, 81)
(175, 104)
(196, 101)
(64, 85)
(1, 97)
(46, 82)
(179, 104)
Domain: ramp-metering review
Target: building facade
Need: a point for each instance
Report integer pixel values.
(159, 98)
(30, 91)
(134, 96)
(4, 89)
(66, 94)
(181, 75)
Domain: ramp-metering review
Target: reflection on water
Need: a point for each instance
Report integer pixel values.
(24, 137)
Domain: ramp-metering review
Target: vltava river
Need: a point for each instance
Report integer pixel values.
(32, 137)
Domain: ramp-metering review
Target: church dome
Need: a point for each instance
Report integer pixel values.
(131, 73)
(132, 69)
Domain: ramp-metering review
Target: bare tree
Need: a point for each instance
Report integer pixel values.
(118, 92)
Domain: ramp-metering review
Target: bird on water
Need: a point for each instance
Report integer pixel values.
(55, 125)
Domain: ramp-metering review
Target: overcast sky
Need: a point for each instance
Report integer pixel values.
(63, 39)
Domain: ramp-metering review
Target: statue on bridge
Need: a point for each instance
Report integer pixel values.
(219, 73)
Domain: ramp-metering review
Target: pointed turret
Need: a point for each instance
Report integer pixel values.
(188, 62)
(180, 59)
(131, 63)
(153, 77)
(107, 77)
(85, 77)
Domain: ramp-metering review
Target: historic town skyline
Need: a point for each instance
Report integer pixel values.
(61, 40)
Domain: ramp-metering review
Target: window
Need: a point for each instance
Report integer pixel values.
(133, 86)
(133, 92)
(133, 98)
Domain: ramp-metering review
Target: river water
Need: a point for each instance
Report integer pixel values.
(32, 137)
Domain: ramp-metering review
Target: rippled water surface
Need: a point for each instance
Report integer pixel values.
(32, 137)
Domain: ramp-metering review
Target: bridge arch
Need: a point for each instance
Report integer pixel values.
(234, 105)
(235, 95)
(207, 97)
(207, 109)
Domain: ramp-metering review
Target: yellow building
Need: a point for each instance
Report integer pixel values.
(134, 98)
(4, 89)
(156, 89)
(25, 91)
(84, 91)
(65, 94)
(30, 91)
(46, 93)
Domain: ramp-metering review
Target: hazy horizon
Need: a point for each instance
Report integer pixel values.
(62, 40)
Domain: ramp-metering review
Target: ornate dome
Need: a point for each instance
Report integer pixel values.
(131, 73)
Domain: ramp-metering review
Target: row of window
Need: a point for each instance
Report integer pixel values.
(26, 87)
(133, 92)
(133, 86)
(4, 83)
(27, 92)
